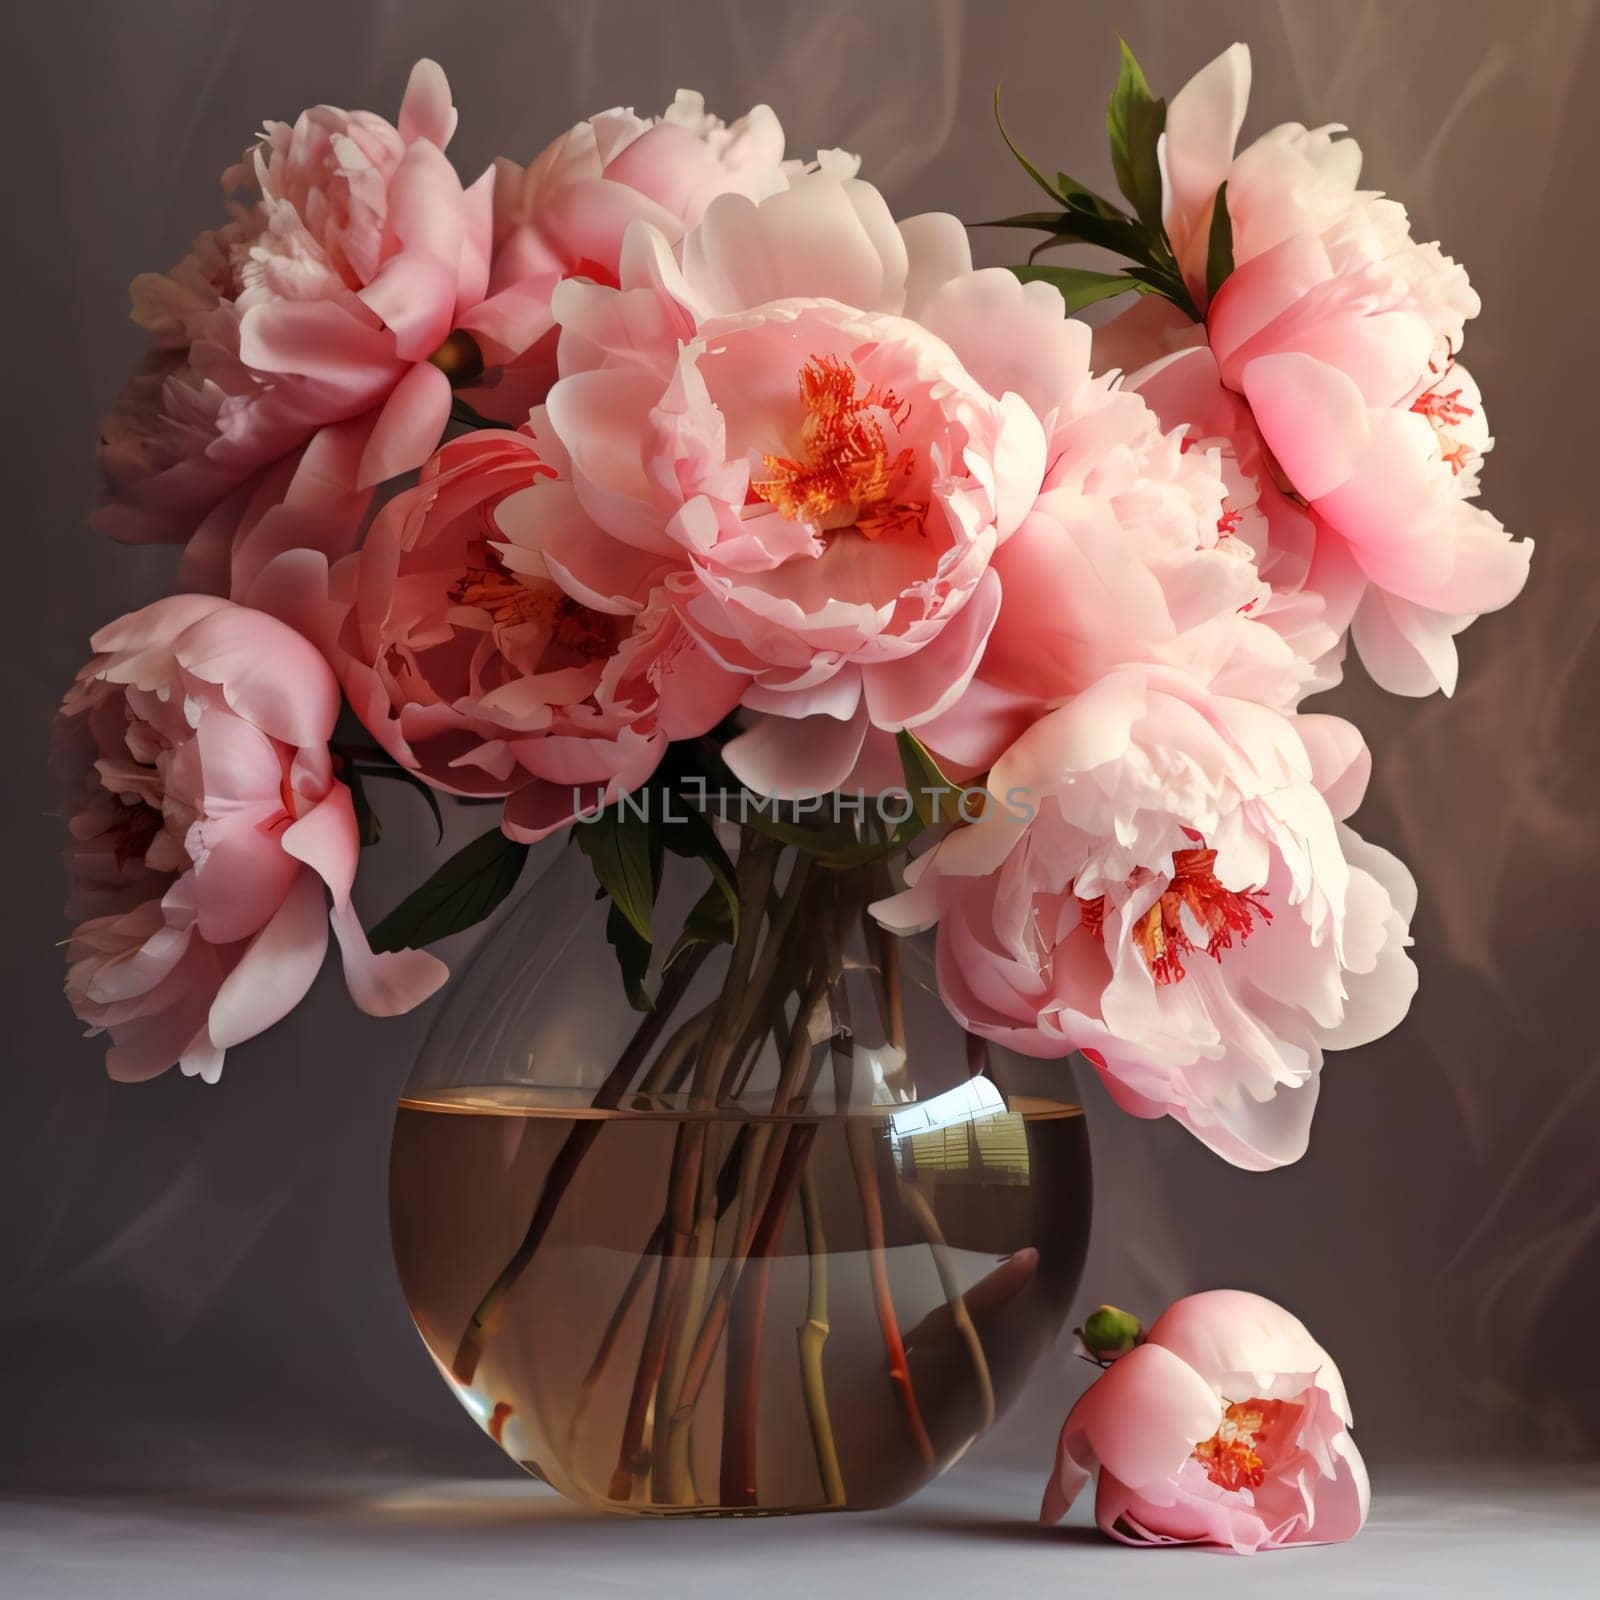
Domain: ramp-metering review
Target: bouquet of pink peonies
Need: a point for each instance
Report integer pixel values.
(671, 491)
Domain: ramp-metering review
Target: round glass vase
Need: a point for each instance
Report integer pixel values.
(788, 1240)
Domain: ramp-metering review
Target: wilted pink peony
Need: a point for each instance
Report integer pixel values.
(301, 351)
(1229, 1425)
(478, 660)
(1160, 879)
(564, 215)
(769, 409)
(210, 835)
(1341, 332)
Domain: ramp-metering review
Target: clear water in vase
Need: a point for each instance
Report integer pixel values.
(809, 1348)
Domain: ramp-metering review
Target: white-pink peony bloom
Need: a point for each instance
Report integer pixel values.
(301, 352)
(564, 215)
(1229, 1425)
(1135, 548)
(1161, 879)
(209, 837)
(475, 659)
(765, 404)
(1341, 332)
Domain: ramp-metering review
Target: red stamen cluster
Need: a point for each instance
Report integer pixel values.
(510, 601)
(1232, 1455)
(845, 466)
(1160, 934)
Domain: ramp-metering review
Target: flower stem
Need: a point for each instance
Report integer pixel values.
(812, 1336)
(917, 1203)
(746, 1322)
(864, 1160)
(564, 1168)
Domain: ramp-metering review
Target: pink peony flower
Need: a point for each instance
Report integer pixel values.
(1341, 333)
(564, 215)
(1133, 549)
(769, 411)
(1229, 1425)
(210, 835)
(1162, 881)
(301, 351)
(478, 660)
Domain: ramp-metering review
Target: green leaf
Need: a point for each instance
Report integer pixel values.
(462, 892)
(1135, 120)
(710, 921)
(1022, 161)
(1080, 197)
(1121, 236)
(1219, 247)
(633, 957)
(622, 852)
(932, 793)
(689, 835)
(1080, 287)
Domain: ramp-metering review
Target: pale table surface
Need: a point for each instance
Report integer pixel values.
(1509, 1531)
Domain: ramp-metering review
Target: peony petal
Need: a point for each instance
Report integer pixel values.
(426, 112)
(795, 758)
(1195, 152)
(385, 985)
(1312, 417)
(276, 970)
(904, 693)
(328, 840)
(1139, 1421)
(1341, 763)
(408, 427)
(268, 674)
(1228, 1333)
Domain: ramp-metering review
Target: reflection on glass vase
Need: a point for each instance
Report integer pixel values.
(788, 1241)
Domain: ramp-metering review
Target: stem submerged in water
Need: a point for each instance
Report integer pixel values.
(813, 1335)
(802, 941)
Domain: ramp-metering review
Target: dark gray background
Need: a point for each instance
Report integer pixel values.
(197, 1280)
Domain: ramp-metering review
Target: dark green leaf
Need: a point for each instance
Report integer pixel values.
(622, 852)
(1165, 281)
(1079, 287)
(685, 832)
(1219, 248)
(1050, 221)
(1120, 235)
(711, 921)
(462, 892)
(633, 956)
(932, 793)
(1135, 120)
(1079, 197)
(1022, 161)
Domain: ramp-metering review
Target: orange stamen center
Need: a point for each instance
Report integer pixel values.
(510, 601)
(845, 475)
(1160, 933)
(1232, 1455)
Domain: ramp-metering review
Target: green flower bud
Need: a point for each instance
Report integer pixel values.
(1109, 1333)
